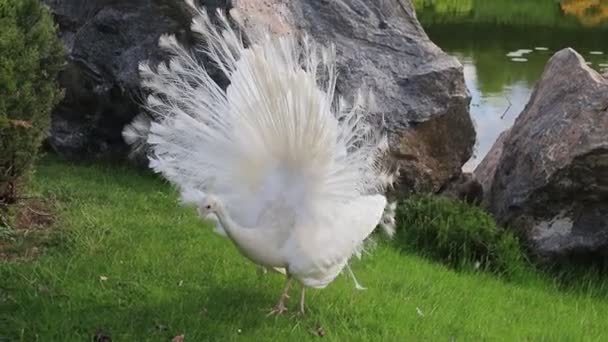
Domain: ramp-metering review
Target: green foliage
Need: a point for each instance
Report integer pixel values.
(530, 13)
(457, 234)
(452, 7)
(31, 56)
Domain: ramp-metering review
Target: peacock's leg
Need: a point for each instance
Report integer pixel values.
(280, 308)
(302, 299)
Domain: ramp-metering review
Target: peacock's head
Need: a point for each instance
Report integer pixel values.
(209, 205)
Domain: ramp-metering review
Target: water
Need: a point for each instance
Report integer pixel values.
(504, 46)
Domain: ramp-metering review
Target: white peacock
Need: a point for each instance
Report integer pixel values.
(290, 171)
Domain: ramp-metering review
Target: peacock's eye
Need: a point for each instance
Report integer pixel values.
(208, 207)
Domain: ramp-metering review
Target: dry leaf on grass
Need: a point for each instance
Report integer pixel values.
(101, 336)
(318, 331)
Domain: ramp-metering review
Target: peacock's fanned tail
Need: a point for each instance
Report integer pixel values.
(277, 134)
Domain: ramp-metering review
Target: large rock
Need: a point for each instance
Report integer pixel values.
(465, 188)
(420, 89)
(485, 171)
(549, 176)
(105, 41)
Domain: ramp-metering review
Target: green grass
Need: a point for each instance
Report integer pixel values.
(169, 274)
(459, 235)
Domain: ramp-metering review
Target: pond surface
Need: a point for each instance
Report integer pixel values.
(504, 45)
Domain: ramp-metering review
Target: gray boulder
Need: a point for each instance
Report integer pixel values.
(548, 177)
(105, 41)
(420, 89)
(485, 171)
(464, 188)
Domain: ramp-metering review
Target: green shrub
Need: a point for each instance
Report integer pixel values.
(31, 56)
(457, 234)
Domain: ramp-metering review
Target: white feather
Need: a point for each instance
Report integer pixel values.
(294, 166)
(136, 133)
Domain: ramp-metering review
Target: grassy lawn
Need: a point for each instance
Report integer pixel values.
(128, 261)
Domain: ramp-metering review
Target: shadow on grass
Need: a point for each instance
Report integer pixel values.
(215, 313)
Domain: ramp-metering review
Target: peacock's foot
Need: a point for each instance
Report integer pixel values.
(299, 313)
(278, 310)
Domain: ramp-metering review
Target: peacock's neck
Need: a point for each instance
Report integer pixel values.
(234, 230)
(256, 244)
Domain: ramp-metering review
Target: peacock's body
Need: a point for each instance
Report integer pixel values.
(291, 175)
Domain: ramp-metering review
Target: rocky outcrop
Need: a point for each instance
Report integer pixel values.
(105, 41)
(549, 176)
(464, 188)
(485, 171)
(419, 89)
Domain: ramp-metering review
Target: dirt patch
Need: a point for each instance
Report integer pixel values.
(30, 228)
(35, 214)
